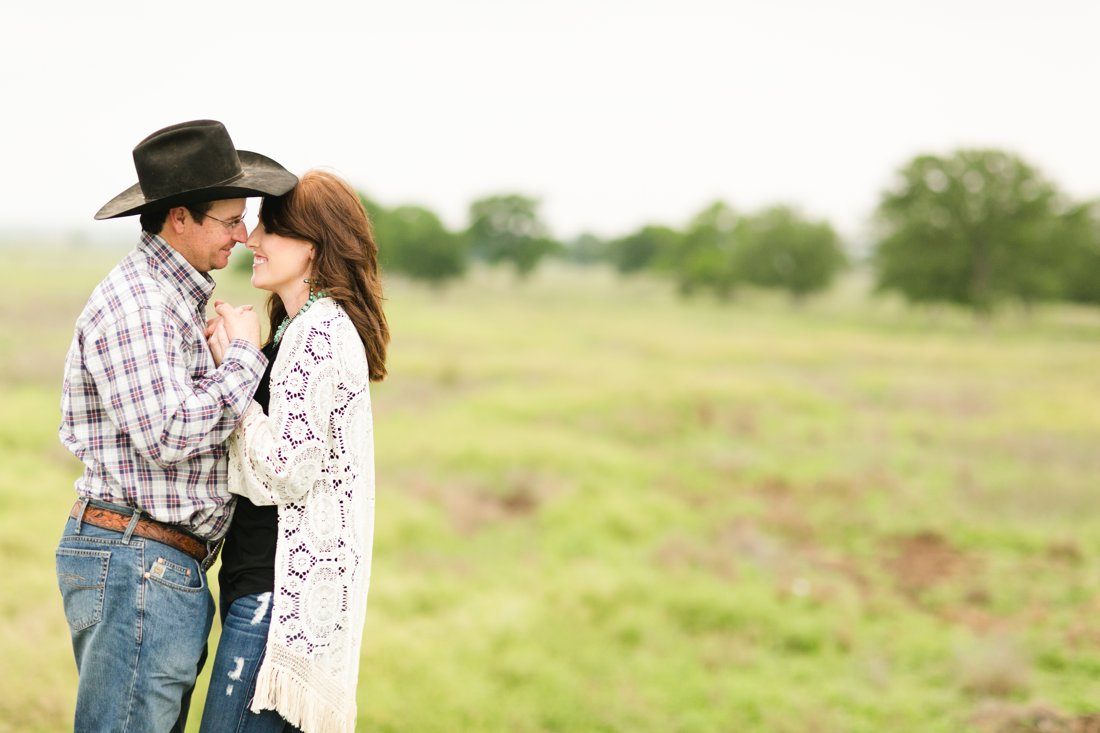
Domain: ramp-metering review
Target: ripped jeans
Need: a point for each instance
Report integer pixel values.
(236, 665)
(139, 613)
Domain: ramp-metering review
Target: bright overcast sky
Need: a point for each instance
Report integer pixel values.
(614, 114)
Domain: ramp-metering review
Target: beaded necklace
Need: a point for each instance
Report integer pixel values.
(313, 298)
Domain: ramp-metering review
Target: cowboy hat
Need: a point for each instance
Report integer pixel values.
(193, 162)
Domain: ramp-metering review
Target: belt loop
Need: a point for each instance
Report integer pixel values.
(131, 526)
(80, 515)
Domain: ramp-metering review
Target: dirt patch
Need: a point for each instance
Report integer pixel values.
(681, 552)
(967, 402)
(1066, 552)
(923, 560)
(741, 422)
(975, 617)
(472, 506)
(739, 543)
(786, 514)
(1004, 718)
(1082, 632)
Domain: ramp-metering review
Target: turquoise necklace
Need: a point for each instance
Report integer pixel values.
(313, 298)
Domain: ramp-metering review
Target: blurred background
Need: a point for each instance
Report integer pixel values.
(743, 372)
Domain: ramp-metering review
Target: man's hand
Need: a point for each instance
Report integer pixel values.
(211, 324)
(239, 323)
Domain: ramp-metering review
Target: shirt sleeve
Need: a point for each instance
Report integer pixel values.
(276, 458)
(148, 391)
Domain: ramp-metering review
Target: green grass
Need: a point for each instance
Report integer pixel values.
(602, 508)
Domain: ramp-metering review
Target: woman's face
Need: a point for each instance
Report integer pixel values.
(279, 263)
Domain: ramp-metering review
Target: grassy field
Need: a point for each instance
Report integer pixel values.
(601, 508)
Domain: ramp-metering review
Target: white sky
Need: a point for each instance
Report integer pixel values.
(615, 113)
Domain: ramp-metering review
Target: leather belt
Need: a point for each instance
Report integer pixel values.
(148, 528)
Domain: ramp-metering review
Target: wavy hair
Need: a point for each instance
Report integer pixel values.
(325, 210)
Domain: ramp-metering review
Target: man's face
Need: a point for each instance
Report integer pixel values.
(207, 245)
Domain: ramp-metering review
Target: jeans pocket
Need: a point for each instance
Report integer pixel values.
(175, 576)
(82, 578)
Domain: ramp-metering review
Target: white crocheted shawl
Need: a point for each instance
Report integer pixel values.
(312, 455)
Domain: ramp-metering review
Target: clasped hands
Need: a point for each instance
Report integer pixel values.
(232, 322)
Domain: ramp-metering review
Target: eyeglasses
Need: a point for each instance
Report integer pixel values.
(232, 223)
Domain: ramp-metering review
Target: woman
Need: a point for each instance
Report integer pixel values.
(296, 562)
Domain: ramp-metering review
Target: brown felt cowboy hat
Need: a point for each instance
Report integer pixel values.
(193, 162)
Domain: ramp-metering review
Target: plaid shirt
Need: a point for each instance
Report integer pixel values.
(143, 405)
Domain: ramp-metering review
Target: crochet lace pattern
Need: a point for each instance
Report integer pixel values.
(312, 455)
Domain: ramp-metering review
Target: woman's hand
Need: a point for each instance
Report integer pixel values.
(239, 323)
(217, 339)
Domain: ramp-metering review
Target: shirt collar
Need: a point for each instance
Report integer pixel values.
(190, 283)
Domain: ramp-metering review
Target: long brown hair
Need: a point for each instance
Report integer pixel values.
(325, 210)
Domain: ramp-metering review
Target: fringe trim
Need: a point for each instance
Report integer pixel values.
(281, 690)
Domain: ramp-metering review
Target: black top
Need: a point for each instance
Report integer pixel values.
(248, 556)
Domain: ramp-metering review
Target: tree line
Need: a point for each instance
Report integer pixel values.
(978, 228)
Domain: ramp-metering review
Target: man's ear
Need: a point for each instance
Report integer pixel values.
(177, 218)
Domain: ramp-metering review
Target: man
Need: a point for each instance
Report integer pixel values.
(146, 410)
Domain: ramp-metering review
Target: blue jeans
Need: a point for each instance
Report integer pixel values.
(233, 677)
(139, 613)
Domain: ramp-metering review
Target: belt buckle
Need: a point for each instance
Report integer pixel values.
(212, 550)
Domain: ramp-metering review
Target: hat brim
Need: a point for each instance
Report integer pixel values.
(261, 176)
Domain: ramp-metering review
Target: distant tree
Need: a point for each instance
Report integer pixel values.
(414, 242)
(784, 250)
(377, 215)
(642, 249)
(974, 228)
(586, 249)
(508, 229)
(1079, 235)
(703, 258)
(241, 260)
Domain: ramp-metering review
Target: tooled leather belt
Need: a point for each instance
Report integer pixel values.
(148, 528)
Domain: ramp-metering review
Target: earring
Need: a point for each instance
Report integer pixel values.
(309, 282)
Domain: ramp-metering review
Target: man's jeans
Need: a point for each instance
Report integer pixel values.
(139, 612)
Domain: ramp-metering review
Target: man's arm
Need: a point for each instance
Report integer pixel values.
(148, 392)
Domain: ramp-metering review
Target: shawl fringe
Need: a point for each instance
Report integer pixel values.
(281, 689)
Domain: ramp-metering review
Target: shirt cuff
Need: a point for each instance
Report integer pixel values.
(248, 355)
(242, 369)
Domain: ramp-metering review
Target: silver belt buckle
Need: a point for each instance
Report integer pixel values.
(212, 549)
